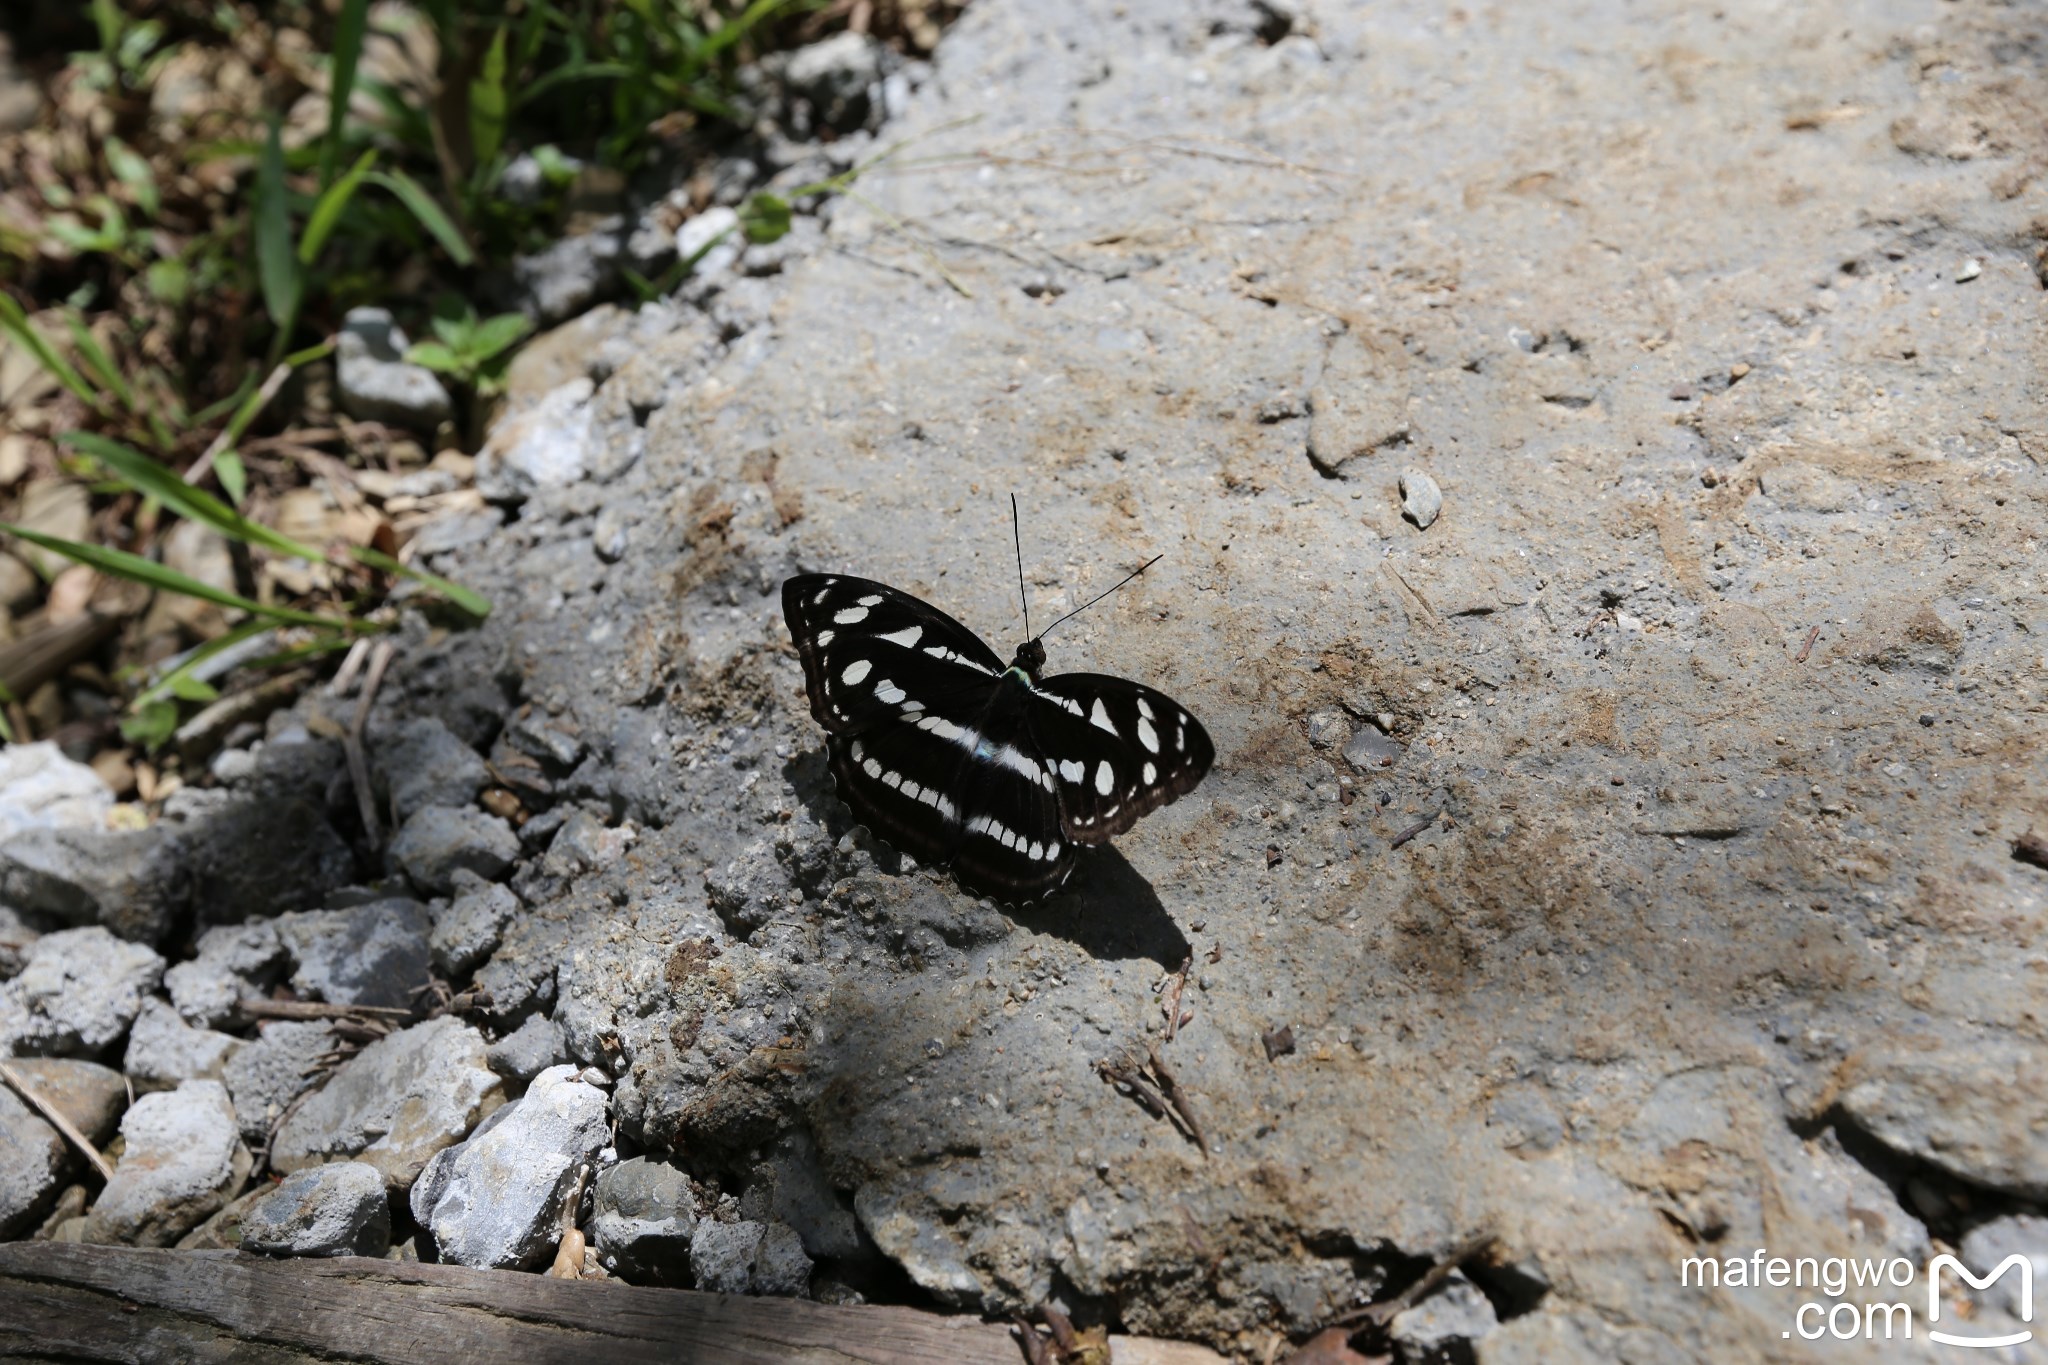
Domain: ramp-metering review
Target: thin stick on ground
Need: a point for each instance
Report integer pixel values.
(1178, 1097)
(1383, 1313)
(272, 382)
(1174, 993)
(58, 1121)
(352, 745)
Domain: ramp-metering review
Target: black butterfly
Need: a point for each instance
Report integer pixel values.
(958, 761)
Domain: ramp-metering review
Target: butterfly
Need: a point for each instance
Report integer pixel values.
(995, 771)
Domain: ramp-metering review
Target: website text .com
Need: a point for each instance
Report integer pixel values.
(1866, 1316)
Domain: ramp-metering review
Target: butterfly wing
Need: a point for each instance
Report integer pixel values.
(1115, 750)
(1012, 845)
(870, 651)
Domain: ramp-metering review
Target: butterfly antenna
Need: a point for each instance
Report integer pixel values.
(1018, 535)
(1099, 596)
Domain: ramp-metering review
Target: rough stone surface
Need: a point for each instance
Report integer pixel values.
(722, 1255)
(375, 383)
(644, 1213)
(77, 993)
(339, 1209)
(42, 789)
(131, 881)
(91, 1097)
(32, 1157)
(545, 446)
(1442, 1328)
(528, 1050)
(466, 928)
(395, 1104)
(164, 1050)
(1989, 1245)
(183, 1160)
(266, 1075)
(494, 1201)
(439, 841)
(233, 961)
(370, 954)
(422, 763)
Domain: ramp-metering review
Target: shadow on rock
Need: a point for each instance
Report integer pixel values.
(1108, 911)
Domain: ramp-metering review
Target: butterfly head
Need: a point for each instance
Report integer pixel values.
(1030, 658)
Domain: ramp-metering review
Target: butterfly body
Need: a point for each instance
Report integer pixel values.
(996, 771)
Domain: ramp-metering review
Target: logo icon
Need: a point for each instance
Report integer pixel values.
(2026, 1269)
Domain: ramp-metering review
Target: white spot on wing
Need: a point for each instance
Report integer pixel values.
(1098, 716)
(893, 779)
(873, 599)
(1072, 770)
(888, 693)
(848, 616)
(873, 768)
(855, 672)
(824, 638)
(1151, 774)
(1144, 707)
(1105, 780)
(1147, 736)
(906, 637)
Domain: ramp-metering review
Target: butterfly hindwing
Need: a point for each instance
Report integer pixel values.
(1116, 751)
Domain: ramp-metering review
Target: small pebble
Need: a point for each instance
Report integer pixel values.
(1737, 370)
(1969, 270)
(1927, 718)
(1421, 499)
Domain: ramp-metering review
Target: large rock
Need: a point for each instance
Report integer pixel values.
(643, 1215)
(77, 994)
(132, 881)
(233, 962)
(467, 926)
(164, 1050)
(266, 1075)
(370, 954)
(91, 1097)
(32, 1156)
(495, 1200)
(422, 763)
(439, 841)
(339, 1209)
(42, 789)
(183, 1160)
(395, 1104)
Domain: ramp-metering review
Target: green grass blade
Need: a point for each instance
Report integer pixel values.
(95, 359)
(562, 75)
(312, 648)
(327, 212)
(233, 476)
(276, 268)
(341, 80)
(487, 103)
(189, 501)
(16, 324)
(470, 600)
(430, 215)
(149, 573)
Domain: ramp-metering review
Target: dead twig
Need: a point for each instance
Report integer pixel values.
(352, 744)
(1380, 1314)
(203, 466)
(1806, 648)
(252, 1007)
(56, 1120)
(1172, 1002)
(1178, 1098)
(1126, 1078)
(1409, 833)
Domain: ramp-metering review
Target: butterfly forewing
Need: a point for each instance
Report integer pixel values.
(869, 650)
(1116, 751)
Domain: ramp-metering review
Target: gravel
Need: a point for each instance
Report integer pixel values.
(439, 841)
(77, 994)
(338, 1209)
(183, 1160)
(370, 954)
(375, 383)
(164, 1050)
(232, 962)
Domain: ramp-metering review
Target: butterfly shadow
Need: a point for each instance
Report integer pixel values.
(1109, 911)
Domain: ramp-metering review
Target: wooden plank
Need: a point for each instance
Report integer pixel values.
(80, 1303)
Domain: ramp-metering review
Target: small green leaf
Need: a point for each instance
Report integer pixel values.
(275, 266)
(134, 172)
(15, 323)
(435, 356)
(764, 218)
(190, 501)
(487, 104)
(430, 215)
(169, 281)
(185, 687)
(148, 572)
(328, 210)
(499, 333)
(150, 724)
(341, 81)
(233, 476)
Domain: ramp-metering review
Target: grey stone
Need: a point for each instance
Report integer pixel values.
(42, 789)
(716, 233)
(546, 445)
(494, 1201)
(836, 75)
(222, 1231)
(528, 1050)
(396, 1103)
(422, 763)
(722, 1255)
(791, 1188)
(781, 1266)
(1329, 730)
(375, 383)
(571, 275)
(585, 844)
(32, 1158)
(184, 1159)
(91, 1097)
(537, 736)
(1421, 499)
(466, 927)
(610, 535)
(233, 962)
(643, 1214)
(445, 535)
(1355, 408)
(164, 1050)
(373, 954)
(1441, 1329)
(132, 881)
(1369, 750)
(267, 1074)
(78, 992)
(339, 1209)
(439, 841)
(1962, 1103)
(1988, 1245)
